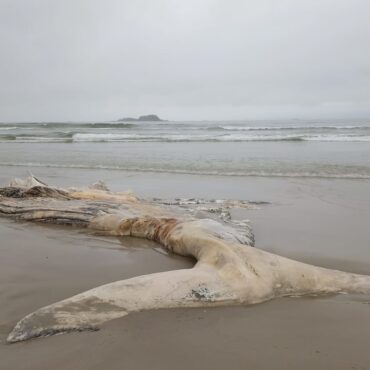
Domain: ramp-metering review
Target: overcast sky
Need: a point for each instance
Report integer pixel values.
(184, 59)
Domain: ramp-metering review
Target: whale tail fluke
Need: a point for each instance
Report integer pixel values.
(87, 311)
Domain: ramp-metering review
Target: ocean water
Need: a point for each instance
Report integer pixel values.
(296, 148)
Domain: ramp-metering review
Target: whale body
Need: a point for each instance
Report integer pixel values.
(229, 270)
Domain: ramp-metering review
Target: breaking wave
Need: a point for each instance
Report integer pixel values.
(265, 149)
(205, 131)
(288, 128)
(181, 138)
(71, 137)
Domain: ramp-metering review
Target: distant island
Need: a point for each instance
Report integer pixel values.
(147, 118)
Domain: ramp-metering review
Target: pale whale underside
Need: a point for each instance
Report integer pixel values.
(228, 271)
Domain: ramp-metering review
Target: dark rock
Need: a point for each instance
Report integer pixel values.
(147, 118)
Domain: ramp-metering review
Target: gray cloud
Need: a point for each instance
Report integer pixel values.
(100, 60)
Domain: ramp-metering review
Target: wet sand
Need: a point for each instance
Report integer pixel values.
(317, 221)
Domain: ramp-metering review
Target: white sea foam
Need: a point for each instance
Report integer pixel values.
(7, 128)
(240, 137)
(206, 138)
(162, 137)
(104, 137)
(290, 127)
(135, 137)
(349, 138)
(340, 173)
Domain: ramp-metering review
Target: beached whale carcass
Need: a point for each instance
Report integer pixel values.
(228, 270)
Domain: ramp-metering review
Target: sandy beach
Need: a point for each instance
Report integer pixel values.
(319, 221)
(242, 130)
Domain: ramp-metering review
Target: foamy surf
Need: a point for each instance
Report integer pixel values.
(138, 137)
(325, 149)
(336, 173)
(205, 131)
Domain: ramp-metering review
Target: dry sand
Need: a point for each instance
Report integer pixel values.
(319, 221)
